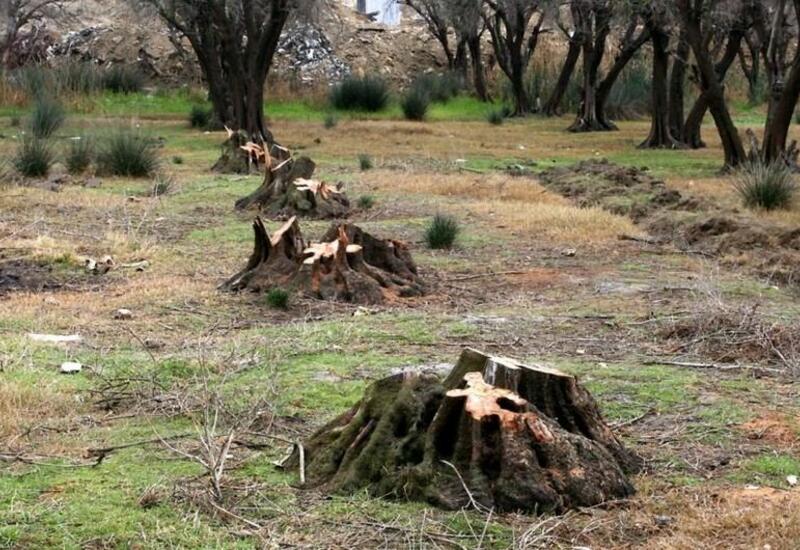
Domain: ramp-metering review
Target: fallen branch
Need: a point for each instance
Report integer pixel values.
(715, 366)
(484, 275)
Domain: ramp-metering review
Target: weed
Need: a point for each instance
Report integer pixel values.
(442, 232)
(15, 121)
(415, 104)
(199, 117)
(78, 77)
(126, 153)
(79, 155)
(123, 79)
(330, 121)
(369, 93)
(277, 298)
(365, 161)
(47, 117)
(33, 158)
(177, 159)
(439, 88)
(365, 202)
(765, 185)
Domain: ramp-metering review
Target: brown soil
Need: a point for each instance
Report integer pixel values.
(31, 276)
(774, 428)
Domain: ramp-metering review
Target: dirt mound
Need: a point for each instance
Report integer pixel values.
(692, 224)
(26, 275)
(626, 191)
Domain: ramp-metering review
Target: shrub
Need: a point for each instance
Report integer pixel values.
(199, 117)
(47, 117)
(123, 79)
(177, 159)
(33, 158)
(33, 80)
(765, 185)
(125, 153)
(365, 202)
(495, 116)
(442, 232)
(79, 155)
(369, 93)
(278, 298)
(415, 104)
(15, 121)
(162, 186)
(330, 121)
(364, 161)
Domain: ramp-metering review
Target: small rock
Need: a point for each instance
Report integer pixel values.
(93, 183)
(569, 252)
(56, 338)
(70, 367)
(791, 480)
(123, 314)
(663, 521)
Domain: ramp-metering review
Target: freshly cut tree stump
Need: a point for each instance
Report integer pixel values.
(288, 190)
(494, 433)
(242, 155)
(347, 265)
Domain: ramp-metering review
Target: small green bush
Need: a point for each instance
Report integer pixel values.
(177, 159)
(47, 117)
(415, 104)
(125, 153)
(34, 81)
(199, 117)
(365, 202)
(369, 93)
(79, 155)
(123, 79)
(365, 161)
(33, 158)
(78, 77)
(495, 117)
(15, 121)
(277, 298)
(330, 121)
(765, 185)
(442, 232)
(162, 185)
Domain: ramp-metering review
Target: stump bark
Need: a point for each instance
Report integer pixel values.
(348, 265)
(494, 432)
(289, 190)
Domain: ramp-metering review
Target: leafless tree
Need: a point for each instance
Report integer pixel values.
(436, 15)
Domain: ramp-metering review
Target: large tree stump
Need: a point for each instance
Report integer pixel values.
(495, 432)
(239, 154)
(288, 190)
(347, 265)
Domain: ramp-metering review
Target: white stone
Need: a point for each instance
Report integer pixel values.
(70, 367)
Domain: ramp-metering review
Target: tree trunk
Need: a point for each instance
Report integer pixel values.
(522, 105)
(776, 128)
(660, 136)
(347, 265)
(552, 106)
(587, 120)
(478, 71)
(712, 88)
(677, 83)
(494, 433)
(460, 62)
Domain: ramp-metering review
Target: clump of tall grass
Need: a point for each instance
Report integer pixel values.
(79, 155)
(496, 117)
(439, 88)
(199, 117)
(369, 93)
(365, 161)
(123, 79)
(77, 77)
(442, 232)
(127, 153)
(47, 116)
(415, 104)
(767, 185)
(630, 97)
(33, 158)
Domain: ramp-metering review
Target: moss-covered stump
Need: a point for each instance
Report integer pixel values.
(509, 436)
(347, 265)
(289, 190)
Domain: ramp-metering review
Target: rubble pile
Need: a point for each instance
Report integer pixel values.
(306, 51)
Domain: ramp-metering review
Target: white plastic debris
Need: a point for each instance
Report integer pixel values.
(56, 338)
(791, 480)
(71, 367)
(123, 314)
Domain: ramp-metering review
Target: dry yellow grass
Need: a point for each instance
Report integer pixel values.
(23, 404)
(518, 204)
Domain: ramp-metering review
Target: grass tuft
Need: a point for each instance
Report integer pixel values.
(79, 155)
(442, 232)
(33, 158)
(365, 202)
(330, 121)
(369, 93)
(415, 104)
(199, 117)
(495, 117)
(765, 185)
(47, 117)
(126, 153)
(277, 298)
(123, 79)
(365, 162)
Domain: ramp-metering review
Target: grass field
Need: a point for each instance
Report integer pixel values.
(718, 444)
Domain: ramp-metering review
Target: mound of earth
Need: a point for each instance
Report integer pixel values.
(25, 275)
(692, 224)
(626, 191)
